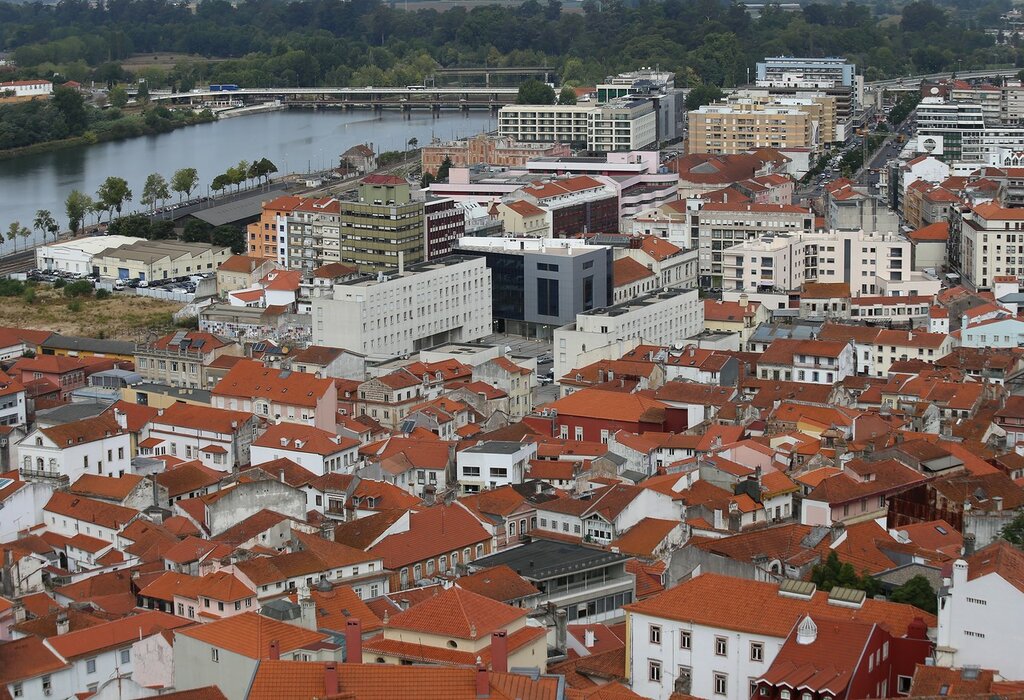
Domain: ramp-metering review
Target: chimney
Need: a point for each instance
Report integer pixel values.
(403, 603)
(998, 501)
(122, 419)
(63, 623)
(561, 629)
(969, 543)
(499, 651)
(330, 678)
(280, 475)
(307, 610)
(275, 650)
(429, 494)
(353, 641)
(589, 638)
(7, 582)
(483, 681)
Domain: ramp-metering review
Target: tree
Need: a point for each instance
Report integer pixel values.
(413, 143)
(184, 181)
(155, 190)
(133, 226)
(220, 182)
(113, 193)
(262, 168)
(836, 573)
(71, 106)
(196, 231)
(917, 592)
(534, 92)
(229, 237)
(46, 224)
(426, 180)
(442, 170)
(702, 95)
(143, 94)
(1013, 531)
(117, 97)
(76, 206)
(15, 230)
(567, 96)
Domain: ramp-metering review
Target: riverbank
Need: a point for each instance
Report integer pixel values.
(127, 127)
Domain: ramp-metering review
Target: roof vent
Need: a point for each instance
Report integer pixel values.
(807, 632)
(797, 589)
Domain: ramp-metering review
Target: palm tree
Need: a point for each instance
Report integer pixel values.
(46, 224)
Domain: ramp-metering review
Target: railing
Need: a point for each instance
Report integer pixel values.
(44, 474)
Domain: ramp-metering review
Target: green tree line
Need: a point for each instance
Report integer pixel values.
(368, 42)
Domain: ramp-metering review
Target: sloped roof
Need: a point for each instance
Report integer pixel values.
(499, 583)
(457, 612)
(249, 635)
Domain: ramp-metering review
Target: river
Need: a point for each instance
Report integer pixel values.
(295, 140)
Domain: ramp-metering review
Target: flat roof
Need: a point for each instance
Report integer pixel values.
(637, 303)
(544, 559)
(503, 447)
(72, 342)
(178, 392)
(92, 245)
(410, 270)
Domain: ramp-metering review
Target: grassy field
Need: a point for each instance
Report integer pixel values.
(121, 317)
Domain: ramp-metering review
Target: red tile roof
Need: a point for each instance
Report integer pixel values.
(188, 477)
(249, 635)
(112, 634)
(105, 487)
(607, 405)
(458, 612)
(1000, 558)
(249, 379)
(206, 418)
(83, 431)
(85, 509)
(499, 583)
(26, 658)
(432, 531)
(304, 438)
(626, 271)
(643, 538)
(757, 608)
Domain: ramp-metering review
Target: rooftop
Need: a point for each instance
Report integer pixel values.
(544, 559)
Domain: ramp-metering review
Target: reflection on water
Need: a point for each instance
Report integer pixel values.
(293, 140)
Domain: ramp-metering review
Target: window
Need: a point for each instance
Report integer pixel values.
(903, 684)
(18, 692)
(807, 696)
(654, 671)
(757, 651)
(215, 655)
(655, 634)
(684, 639)
(721, 683)
(721, 646)
(547, 297)
(126, 656)
(90, 666)
(784, 694)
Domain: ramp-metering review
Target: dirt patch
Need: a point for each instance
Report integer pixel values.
(164, 60)
(121, 317)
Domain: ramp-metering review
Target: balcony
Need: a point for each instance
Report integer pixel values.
(56, 478)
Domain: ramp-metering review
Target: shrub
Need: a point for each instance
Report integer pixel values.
(80, 288)
(59, 282)
(75, 305)
(11, 288)
(102, 293)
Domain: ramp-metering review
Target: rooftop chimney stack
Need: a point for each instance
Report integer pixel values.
(63, 623)
(330, 678)
(483, 681)
(589, 638)
(499, 651)
(353, 641)
(275, 650)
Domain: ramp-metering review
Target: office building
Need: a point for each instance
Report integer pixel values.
(383, 224)
(444, 223)
(570, 206)
(661, 318)
(405, 310)
(540, 284)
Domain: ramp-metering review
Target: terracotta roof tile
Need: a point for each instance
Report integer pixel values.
(757, 608)
(112, 634)
(248, 379)
(626, 271)
(104, 514)
(109, 487)
(643, 538)
(432, 531)
(82, 431)
(499, 583)
(249, 635)
(304, 438)
(26, 658)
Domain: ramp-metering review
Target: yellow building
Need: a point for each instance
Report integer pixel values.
(732, 128)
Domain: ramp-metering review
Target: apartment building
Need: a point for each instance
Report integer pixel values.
(818, 105)
(279, 395)
(383, 224)
(851, 207)
(625, 124)
(662, 318)
(715, 227)
(835, 77)
(736, 127)
(267, 237)
(313, 234)
(487, 149)
(869, 263)
(181, 358)
(570, 206)
(985, 242)
(444, 223)
(405, 310)
(540, 284)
